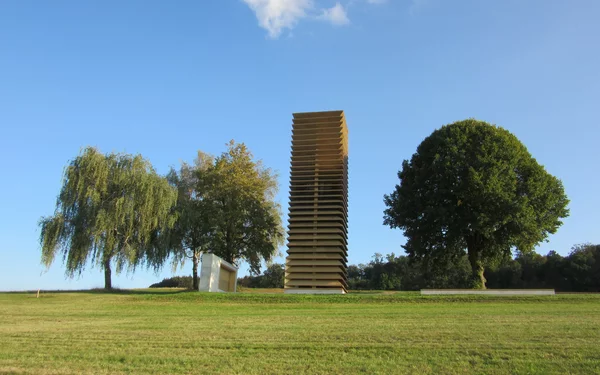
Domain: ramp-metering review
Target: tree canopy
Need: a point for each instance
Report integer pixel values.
(111, 208)
(226, 206)
(474, 186)
(245, 218)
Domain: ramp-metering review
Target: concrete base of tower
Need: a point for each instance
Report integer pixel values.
(313, 291)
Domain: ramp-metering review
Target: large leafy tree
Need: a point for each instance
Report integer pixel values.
(225, 206)
(112, 208)
(474, 186)
(245, 218)
(193, 230)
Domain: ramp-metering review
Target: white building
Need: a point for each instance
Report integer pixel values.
(217, 275)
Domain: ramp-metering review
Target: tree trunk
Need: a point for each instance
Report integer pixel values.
(229, 247)
(107, 275)
(195, 284)
(474, 251)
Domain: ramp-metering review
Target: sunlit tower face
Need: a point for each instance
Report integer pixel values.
(318, 213)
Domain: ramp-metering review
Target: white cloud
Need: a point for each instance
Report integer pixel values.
(276, 15)
(336, 15)
(417, 5)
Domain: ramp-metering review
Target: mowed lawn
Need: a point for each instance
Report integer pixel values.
(160, 332)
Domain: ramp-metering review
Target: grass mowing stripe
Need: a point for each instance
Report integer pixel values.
(252, 333)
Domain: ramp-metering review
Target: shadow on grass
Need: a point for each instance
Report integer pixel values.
(141, 291)
(150, 291)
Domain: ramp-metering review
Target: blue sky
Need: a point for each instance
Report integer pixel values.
(166, 79)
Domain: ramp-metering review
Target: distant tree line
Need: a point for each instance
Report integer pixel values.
(577, 272)
(272, 277)
(175, 282)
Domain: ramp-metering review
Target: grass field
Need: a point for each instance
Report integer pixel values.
(162, 332)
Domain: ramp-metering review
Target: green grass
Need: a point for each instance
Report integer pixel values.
(162, 331)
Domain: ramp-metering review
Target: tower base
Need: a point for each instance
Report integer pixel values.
(313, 291)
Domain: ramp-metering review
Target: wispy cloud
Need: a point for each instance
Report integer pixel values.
(275, 16)
(336, 15)
(417, 5)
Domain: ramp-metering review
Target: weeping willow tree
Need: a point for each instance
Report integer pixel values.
(112, 210)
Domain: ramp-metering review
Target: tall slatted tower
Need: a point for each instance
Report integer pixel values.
(318, 213)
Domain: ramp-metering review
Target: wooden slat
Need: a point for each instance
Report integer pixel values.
(292, 270)
(320, 283)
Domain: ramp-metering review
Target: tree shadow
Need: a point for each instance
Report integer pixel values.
(149, 291)
(161, 291)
